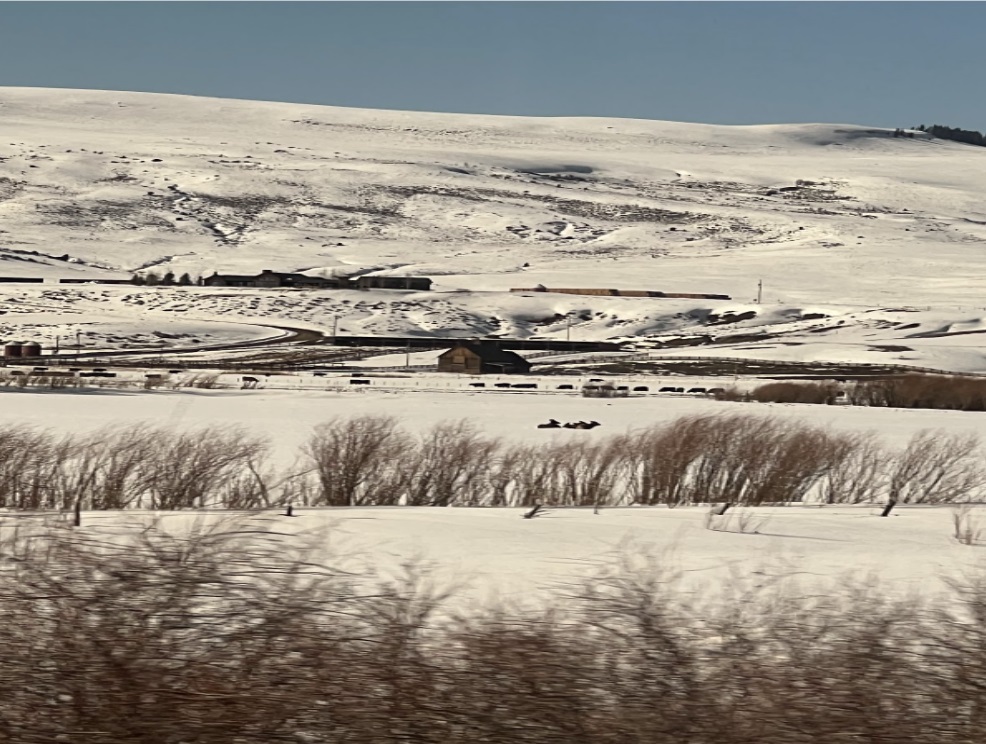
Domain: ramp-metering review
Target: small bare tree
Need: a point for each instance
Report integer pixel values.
(936, 468)
(452, 465)
(589, 472)
(858, 471)
(358, 461)
(189, 469)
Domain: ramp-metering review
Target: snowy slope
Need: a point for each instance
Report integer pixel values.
(837, 220)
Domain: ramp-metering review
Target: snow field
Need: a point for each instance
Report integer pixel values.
(494, 553)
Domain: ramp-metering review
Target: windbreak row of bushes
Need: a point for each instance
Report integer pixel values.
(238, 635)
(943, 392)
(373, 461)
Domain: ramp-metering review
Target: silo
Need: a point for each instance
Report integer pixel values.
(11, 350)
(31, 349)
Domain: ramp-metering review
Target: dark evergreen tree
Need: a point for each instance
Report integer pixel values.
(184, 280)
(138, 280)
(967, 136)
(169, 279)
(151, 279)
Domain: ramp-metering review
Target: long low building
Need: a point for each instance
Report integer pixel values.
(597, 292)
(275, 279)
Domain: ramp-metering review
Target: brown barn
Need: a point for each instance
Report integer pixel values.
(482, 358)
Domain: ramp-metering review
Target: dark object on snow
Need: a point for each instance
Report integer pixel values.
(582, 425)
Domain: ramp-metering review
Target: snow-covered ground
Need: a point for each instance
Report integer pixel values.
(494, 555)
(869, 246)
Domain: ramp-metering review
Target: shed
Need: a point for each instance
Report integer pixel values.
(482, 358)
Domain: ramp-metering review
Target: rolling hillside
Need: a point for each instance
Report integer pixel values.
(854, 233)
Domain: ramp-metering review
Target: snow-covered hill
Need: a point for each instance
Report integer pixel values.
(836, 220)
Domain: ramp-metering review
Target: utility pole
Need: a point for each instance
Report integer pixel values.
(568, 328)
(407, 356)
(335, 326)
(759, 291)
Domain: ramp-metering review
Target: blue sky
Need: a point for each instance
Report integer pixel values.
(883, 64)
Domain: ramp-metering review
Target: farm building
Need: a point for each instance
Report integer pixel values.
(272, 279)
(420, 283)
(596, 292)
(268, 279)
(482, 358)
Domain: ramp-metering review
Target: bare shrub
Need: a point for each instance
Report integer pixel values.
(589, 472)
(201, 381)
(123, 454)
(734, 449)
(189, 469)
(537, 476)
(753, 460)
(741, 521)
(451, 465)
(27, 457)
(922, 391)
(359, 461)
(100, 470)
(137, 641)
(734, 459)
(858, 469)
(502, 479)
(966, 528)
(240, 633)
(936, 468)
(953, 656)
(789, 459)
(826, 393)
(733, 394)
(664, 456)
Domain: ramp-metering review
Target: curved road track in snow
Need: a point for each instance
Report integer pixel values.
(291, 337)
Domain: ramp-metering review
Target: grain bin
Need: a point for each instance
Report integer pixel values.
(31, 349)
(12, 350)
